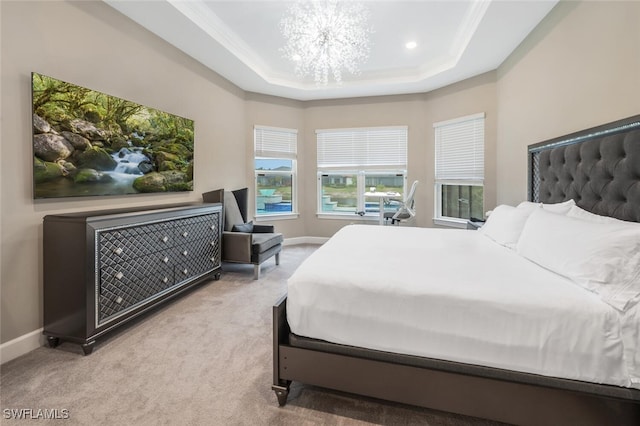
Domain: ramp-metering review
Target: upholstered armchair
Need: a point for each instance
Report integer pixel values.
(243, 241)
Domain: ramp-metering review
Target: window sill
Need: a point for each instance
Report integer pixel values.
(272, 217)
(347, 216)
(451, 223)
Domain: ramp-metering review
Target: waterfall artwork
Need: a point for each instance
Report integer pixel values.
(89, 143)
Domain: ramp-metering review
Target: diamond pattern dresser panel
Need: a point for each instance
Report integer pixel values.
(141, 262)
(195, 228)
(128, 284)
(126, 244)
(196, 259)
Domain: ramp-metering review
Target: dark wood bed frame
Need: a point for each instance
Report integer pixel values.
(597, 167)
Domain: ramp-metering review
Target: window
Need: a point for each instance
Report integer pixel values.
(459, 169)
(275, 170)
(352, 161)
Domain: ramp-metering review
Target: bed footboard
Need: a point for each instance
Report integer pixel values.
(510, 400)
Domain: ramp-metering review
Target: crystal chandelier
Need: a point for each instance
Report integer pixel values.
(325, 37)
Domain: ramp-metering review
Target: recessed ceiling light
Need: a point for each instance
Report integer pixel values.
(411, 45)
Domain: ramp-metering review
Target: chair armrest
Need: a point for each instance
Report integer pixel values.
(261, 229)
(236, 247)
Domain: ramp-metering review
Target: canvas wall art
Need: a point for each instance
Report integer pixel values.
(88, 143)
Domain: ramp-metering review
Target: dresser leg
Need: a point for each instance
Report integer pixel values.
(87, 348)
(53, 341)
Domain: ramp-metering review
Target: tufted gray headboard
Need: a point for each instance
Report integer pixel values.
(599, 168)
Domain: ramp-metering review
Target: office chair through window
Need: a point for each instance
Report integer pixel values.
(406, 208)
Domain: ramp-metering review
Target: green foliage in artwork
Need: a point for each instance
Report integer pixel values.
(57, 101)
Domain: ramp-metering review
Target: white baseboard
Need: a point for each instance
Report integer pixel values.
(33, 340)
(304, 240)
(21, 345)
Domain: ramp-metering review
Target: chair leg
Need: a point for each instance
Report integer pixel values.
(256, 271)
(277, 258)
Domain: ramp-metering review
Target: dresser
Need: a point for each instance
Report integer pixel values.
(104, 268)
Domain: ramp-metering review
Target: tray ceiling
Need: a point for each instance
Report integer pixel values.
(241, 41)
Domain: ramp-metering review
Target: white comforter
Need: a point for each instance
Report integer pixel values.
(457, 295)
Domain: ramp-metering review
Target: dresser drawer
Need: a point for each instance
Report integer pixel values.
(195, 228)
(126, 244)
(195, 259)
(124, 285)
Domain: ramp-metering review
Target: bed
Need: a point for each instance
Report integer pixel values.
(517, 327)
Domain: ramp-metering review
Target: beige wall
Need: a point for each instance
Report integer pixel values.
(578, 69)
(90, 44)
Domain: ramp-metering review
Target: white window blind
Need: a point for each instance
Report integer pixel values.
(460, 148)
(275, 142)
(363, 148)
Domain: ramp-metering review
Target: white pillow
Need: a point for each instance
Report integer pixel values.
(579, 213)
(601, 257)
(560, 208)
(505, 224)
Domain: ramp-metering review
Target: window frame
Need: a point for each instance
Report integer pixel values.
(320, 203)
(475, 178)
(361, 188)
(278, 152)
(448, 220)
(351, 137)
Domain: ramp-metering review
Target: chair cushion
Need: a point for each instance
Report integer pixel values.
(243, 227)
(232, 215)
(263, 242)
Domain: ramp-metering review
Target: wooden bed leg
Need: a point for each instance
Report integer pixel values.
(282, 392)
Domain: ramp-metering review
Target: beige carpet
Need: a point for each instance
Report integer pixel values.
(202, 359)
